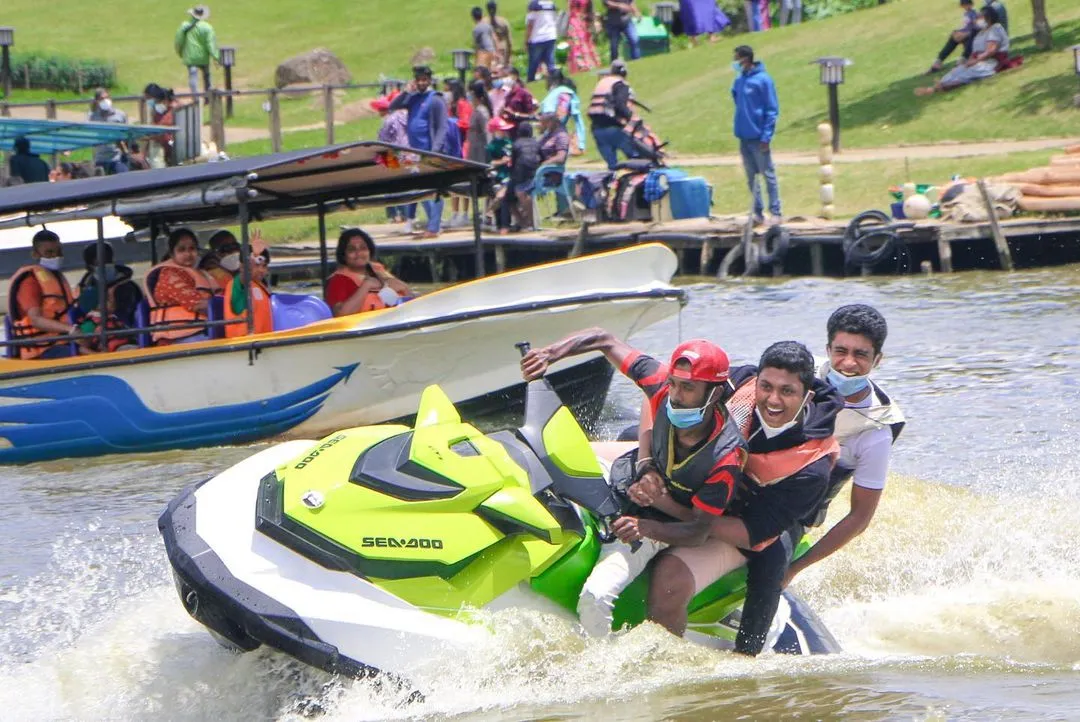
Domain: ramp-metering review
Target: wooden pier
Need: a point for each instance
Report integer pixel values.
(715, 247)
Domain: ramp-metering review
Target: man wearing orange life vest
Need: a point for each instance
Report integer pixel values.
(360, 283)
(38, 301)
(179, 293)
(236, 297)
(787, 417)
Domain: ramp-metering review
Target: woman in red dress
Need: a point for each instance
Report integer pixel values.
(579, 33)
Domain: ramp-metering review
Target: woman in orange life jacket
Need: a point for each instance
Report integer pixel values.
(236, 296)
(38, 301)
(360, 283)
(179, 293)
(787, 417)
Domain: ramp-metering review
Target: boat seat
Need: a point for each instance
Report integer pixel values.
(294, 310)
(215, 311)
(142, 321)
(9, 332)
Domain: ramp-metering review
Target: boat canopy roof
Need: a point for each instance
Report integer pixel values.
(58, 136)
(361, 173)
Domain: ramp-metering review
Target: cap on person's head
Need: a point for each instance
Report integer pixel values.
(199, 12)
(422, 71)
(45, 236)
(89, 254)
(708, 362)
(618, 67)
(22, 144)
(744, 51)
(500, 123)
(380, 105)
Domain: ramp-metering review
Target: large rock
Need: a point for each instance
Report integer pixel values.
(423, 56)
(318, 67)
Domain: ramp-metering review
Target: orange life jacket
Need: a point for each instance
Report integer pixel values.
(603, 98)
(112, 323)
(768, 468)
(372, 302)
(220, 275)
(165, 313)
(260, 305)
(56, 299)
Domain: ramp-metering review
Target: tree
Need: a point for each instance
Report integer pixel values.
(1040, 26)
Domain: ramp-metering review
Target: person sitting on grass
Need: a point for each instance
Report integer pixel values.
(989, 44)
(963, 36)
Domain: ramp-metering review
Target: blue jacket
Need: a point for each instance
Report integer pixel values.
(426, 125)
(756, 105)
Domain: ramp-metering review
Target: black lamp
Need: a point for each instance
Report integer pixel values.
(7, 39)
(461, 62)
(228, 60)
(832, 76)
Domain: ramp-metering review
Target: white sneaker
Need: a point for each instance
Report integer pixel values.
(407, 229)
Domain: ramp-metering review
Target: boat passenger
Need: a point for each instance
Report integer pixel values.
(236, 297)
(39, 298)
(866, 428)
(179, 292)
(686, 466)
(222, 261)
(127, 293)
(360, 283)
(787, 417)
(91, 321)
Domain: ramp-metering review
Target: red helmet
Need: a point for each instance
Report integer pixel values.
(708, 362)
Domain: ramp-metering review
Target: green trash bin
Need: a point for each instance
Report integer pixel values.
(652, 35)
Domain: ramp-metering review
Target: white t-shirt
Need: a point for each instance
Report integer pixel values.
(543, 16)
(867, 452)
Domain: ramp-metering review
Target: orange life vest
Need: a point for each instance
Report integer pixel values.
(260, 305)
(603, 99)
(768, 468)
(56, 299)
(372, 302)
(220, 275)
(165, 313)
(112, 323)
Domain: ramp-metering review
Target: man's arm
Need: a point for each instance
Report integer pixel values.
(536, 362)
(772, 113)
(864, 503)
(211, 45)
(38, 321)
(692, 533)
(438, 124)
(620, 100)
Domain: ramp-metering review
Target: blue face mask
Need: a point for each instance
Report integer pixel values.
(737, 67)
(848, 385)
(685, 418)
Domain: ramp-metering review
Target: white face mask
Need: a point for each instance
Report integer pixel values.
(160, 108)
(231, 262)
(980, 24)
(774, 431)
(105, 105)
(52, 264)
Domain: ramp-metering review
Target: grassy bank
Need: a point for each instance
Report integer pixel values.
(891, 45)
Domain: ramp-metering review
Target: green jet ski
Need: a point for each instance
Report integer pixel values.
(364, 551)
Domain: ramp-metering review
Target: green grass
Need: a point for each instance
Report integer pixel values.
(689, 89)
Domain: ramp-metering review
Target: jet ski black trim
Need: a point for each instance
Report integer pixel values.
(271, 520)
(385, 467)
(510, 526)
(540, 480)
(238, 612)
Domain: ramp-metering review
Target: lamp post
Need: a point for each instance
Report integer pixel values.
(7, 39)
(832, 76)
(1076, 64)
(665, 14)
(228, 60)
(461, 62)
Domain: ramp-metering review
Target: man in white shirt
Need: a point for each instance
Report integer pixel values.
(866, 428)
(541, 32)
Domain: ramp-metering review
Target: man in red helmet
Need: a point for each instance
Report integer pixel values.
(686, 463)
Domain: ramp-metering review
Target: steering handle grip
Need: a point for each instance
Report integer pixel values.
(523, 347)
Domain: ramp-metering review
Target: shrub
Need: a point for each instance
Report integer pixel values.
(52, 72)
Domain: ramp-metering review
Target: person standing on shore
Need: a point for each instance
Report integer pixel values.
(196, 45)
(504, 43)
(756, 112)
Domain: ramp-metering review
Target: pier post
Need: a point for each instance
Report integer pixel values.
(500, 258)
(944, 249)
(817, 260)
(706, 256)
(1004, 255)
(275, 121)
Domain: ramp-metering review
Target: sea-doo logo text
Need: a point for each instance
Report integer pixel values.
(413, 543)
(321, 448)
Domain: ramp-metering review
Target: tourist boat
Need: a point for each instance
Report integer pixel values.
(310, 376)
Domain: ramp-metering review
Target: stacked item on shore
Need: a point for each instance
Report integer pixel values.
(1050, 189)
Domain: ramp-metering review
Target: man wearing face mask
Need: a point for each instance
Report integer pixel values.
(686, 463)
(787, 417)
(756, 111)
(222, 261)
(866, 428)
(108, 157)
(39, 298)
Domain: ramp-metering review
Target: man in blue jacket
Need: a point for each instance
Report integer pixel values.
(426, 128)
(756, 112)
